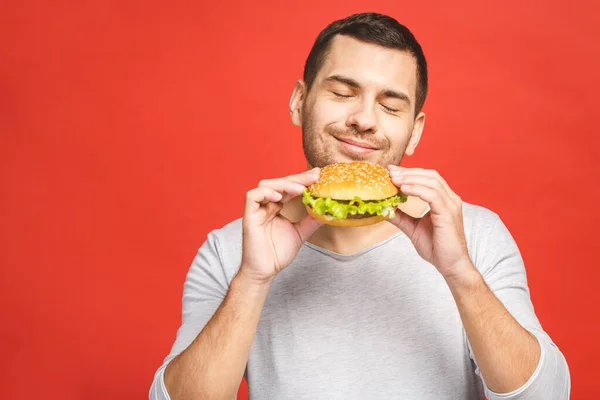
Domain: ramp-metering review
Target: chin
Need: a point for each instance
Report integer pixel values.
(373, 157)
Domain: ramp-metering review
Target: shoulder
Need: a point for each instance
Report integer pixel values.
(479, 223)
(488, 238)
(228, 244)
(228, 233)
(478, 219)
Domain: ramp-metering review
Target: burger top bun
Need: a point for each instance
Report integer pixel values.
(345, 180)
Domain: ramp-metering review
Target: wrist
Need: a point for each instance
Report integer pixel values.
(465, 279)
(246, 282)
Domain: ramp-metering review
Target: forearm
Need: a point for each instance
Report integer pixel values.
(507, 354)
(214, 363)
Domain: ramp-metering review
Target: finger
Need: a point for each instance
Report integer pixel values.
(287, 187)
(396, 171)
(306, 227)
(431, 196)
(306, 178)
(405, 222)
(430, 173)
(258, 196)
(273, 208)
(423, 180)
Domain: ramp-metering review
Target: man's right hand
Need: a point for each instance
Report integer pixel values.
(213, 365)
(270, 242)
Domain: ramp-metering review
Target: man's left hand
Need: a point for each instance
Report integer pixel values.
(439, 237)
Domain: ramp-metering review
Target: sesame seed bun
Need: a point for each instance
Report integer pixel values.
(344, 180)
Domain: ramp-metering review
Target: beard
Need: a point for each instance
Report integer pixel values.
(319, 151)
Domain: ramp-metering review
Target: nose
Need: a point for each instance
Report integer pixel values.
(363, 118)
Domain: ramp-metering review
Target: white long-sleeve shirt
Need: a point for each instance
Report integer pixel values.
(378, 324)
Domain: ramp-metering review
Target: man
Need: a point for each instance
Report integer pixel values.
(435, 307)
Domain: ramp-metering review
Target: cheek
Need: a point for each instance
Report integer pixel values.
(397, 132)
(326, 112)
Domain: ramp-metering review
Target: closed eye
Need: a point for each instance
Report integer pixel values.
(389, 109)
(342, 96)
(346, 96)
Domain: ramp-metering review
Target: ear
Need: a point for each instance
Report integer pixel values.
(416, 134)
(297, 101)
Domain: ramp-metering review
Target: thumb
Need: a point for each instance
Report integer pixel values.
(307, 226)
(405, 222)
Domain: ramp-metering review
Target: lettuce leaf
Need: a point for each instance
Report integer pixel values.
(341, 208)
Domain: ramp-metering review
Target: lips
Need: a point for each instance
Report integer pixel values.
(358, 143)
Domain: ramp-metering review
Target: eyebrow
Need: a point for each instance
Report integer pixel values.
(352, 83)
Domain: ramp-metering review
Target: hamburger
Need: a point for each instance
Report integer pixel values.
(356, 193)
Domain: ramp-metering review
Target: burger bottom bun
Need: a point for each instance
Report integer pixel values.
(344, 222)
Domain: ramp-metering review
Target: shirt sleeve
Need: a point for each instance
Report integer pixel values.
(502, 267)
(205, 287)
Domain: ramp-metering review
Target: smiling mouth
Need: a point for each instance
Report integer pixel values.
(355, 146)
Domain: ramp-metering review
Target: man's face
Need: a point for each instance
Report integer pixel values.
(361, 106)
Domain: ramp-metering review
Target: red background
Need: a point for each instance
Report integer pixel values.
(130, 129)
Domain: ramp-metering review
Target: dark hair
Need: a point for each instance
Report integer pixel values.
(372, 28)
